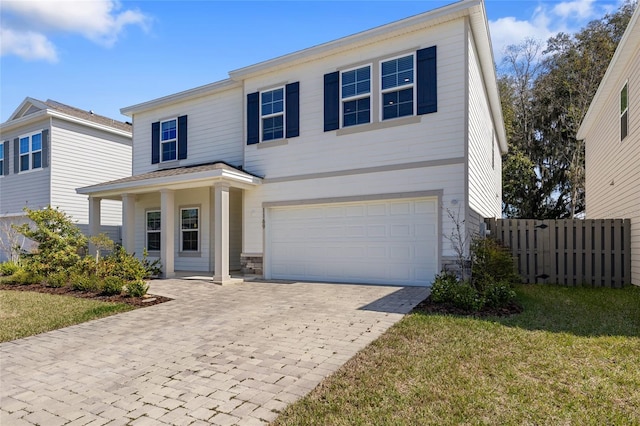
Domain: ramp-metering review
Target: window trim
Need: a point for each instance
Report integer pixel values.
(625, 88)
(272, 115)
(147, 231)
(197, 230)
(175, 140)
(30, 153)
(356, 97)
(413, 85)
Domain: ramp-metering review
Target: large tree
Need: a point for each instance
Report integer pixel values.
(547, 95)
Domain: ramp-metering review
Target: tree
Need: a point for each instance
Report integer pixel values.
(58, 241)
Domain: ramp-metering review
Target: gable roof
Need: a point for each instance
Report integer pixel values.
(33, 109)
(627, 50)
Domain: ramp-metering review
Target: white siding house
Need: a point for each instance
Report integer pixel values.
(611, 131)
(335, 163)
(48, 149)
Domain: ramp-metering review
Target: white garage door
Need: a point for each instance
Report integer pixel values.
(376, 242)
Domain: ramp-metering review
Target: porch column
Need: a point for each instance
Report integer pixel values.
(221, 235)
(167, 234)
(128, 222)
(94, 220)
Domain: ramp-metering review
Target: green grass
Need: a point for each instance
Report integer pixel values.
(571, 358)
(24, 313)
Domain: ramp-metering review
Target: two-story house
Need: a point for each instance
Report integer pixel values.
(336, 163)
(47, 150)
(611, 131)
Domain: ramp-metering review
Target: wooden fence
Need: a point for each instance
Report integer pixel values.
(593, 252)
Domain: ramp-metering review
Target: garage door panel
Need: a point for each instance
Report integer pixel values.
(387, 242)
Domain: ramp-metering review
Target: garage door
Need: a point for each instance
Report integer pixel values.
(376, 242)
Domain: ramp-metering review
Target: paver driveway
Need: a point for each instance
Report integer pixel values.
(213, 355)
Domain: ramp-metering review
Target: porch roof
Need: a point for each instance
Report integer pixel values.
(175, 178)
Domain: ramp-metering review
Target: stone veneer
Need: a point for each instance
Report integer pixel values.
(251, 264)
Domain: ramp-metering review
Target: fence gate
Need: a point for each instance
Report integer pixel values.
(593, 252)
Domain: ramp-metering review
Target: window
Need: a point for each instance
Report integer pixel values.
(272, 113)
(153, 230)
(397, 86)
(30, 152)
(189, 228)
(355, 92)
(169, 139)
(624, 112)
(2, 159)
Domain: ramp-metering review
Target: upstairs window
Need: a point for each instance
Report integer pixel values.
(355, 89)
(189, 228)
(624, 112)
(153, 230)
(397, 87)
(2, 167)
(272, 113)
(169, 140)
(30, 152)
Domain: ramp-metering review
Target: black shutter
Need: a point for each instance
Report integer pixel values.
(182, 137)
(16, 156)
(155, 142)
(45, 148)
(293, 109)
(253, 118)
(427, 80)
(331, 101)
(6, 157)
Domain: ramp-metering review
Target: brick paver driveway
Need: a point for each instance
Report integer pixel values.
(213, 355)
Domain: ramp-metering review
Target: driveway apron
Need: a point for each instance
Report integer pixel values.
(213, 355)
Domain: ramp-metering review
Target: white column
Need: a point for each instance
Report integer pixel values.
(221, 235)
(128, 222)
(167, 232)
(94, 220)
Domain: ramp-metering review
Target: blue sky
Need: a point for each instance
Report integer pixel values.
(103, 55)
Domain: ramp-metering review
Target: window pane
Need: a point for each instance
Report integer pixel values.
(153, 221)
(397, 72)
(1, 167)
(190, 219)
(24, 162)
(36, 162)
(1, 152)
(36, 142)
(168, 151)
(272, 128)
(356, 82)
(623, 99)
(356, 112)
(278, 106)
(168, 130)
(189, 240)
(624, 125)
(153, 241)
(24, 145)
(272, 102)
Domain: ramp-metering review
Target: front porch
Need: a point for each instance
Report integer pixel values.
(190, 217)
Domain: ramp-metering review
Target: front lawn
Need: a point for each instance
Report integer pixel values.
(572, 357)
(24, 313)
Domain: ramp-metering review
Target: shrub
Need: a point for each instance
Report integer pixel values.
(443, 287)
(124, 265)
(9, 268)
(490, 263)
(58, 279)
(24, 277)
(499, 294)
(85, 282)
(152, 268)
(466, 297)
(137, 288)
(112, 286)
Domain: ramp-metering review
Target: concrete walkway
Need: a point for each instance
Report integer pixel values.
(214, 355)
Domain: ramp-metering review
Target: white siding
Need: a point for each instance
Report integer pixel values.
(437, 136)
(29, 188)
(82, 156)
(214, 131)
(612, 166)
(484, 161)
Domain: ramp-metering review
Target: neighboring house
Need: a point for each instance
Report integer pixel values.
(335, 163)
(47, 150)
(611, 131)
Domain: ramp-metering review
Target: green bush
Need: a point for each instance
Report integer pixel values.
(490, 263)
(23, 277)
(85, 282)
(8, 268)
(466, 297)
(499, 294)
(57, 279)
(124, 265)
(137, 288)
(112, 286)
(444, 287)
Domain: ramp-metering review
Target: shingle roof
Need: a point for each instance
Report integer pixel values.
(88, 115)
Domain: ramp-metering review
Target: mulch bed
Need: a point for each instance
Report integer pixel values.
(427, 306)
(138, 302)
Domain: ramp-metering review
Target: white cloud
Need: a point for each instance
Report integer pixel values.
(28, 45)
(545, 22)
(31, 22)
